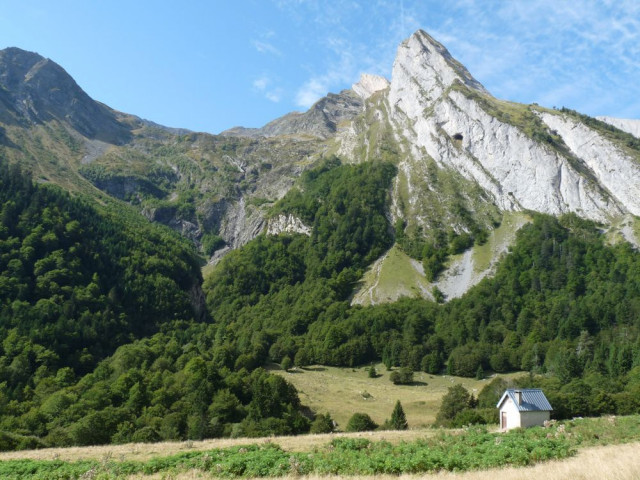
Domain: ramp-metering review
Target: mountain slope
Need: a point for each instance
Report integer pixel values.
(215, 190)
(35, 90)
(463, 157)
(432, 179)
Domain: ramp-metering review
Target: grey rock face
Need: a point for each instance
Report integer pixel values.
(321, 120)
(169, 216)
(35, 89)
(437, 112)
(242, 224)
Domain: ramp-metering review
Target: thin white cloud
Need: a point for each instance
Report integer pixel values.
(264, 85)
(310, 92)
(274, 95)
(339, 73)
(261, 83)
(266, 47)
(580, 53)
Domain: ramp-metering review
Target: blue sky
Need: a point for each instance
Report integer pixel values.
(212, 65)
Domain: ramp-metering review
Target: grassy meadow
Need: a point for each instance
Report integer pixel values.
(344, 391)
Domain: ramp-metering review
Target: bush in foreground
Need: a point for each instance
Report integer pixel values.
(471, 450)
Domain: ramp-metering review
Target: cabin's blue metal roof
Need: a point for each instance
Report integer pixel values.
(532, 400)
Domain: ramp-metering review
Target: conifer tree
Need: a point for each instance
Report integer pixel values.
(398, 418)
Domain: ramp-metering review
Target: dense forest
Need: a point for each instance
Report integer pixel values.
(101, 342)
(77, 283)
(285, 286)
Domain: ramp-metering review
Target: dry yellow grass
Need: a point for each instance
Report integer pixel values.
(146, 451)
(342, 392)
(612, 462)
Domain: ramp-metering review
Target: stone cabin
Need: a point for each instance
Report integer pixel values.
(526, 407)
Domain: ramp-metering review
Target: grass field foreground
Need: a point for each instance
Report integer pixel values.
(611, 462)
(473, 449)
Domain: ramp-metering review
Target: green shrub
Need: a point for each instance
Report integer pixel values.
(211, 243)
(322, 424)
(402, 376)
(361, 422)
(468, 417)
(285, 364)
(454, 402)
(145, 435)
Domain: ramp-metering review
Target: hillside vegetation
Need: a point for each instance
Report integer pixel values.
(103, 345)
(563, 302)
(75, 283)
(102, 340)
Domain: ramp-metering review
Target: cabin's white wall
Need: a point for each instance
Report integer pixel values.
(531, 419)
(513, 415)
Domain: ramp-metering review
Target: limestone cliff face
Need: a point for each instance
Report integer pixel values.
(440, 119)
(615, 170)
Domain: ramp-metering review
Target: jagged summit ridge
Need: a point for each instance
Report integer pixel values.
(321, 120)
(424, 67)
(34, 89)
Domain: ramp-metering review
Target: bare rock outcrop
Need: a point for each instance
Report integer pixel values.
(287, 224)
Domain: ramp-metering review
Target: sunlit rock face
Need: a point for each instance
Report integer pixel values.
(437, 112)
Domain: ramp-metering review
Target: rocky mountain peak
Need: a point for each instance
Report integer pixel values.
(424, 68)
(321, 120)
(15, 64)
(34, 89)
(510, 156)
